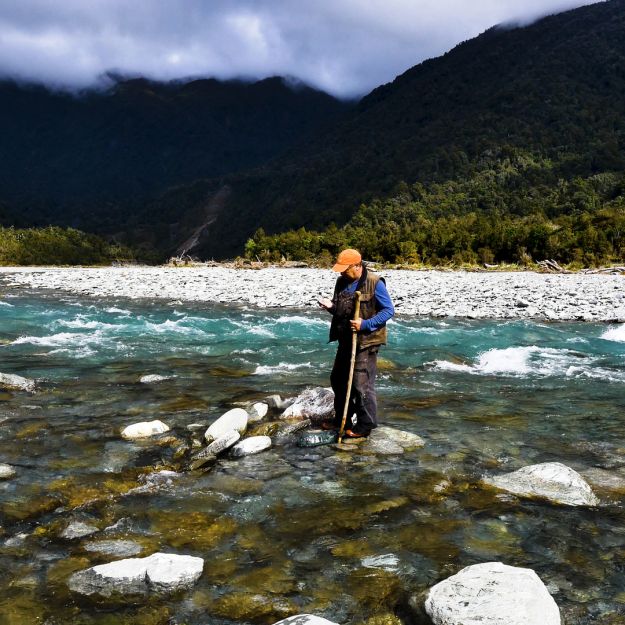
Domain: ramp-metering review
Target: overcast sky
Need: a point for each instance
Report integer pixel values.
(346, 47)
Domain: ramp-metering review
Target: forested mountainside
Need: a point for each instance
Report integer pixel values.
(93, 159)
(520, 123)
(510, 117)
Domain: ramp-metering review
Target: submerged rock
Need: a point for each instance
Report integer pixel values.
(317, 437)
(492, 593)
(314, 403)
(407, 440)
(235, 419)
(152, 378)
(6, 471)
(551, 480)
(158, 573)
(251, 445)
(78, 529)
(12, 381)
(204, 458)
(225, 441)
(305, 619)
(145, 429)
(285, 430)
(118, 548)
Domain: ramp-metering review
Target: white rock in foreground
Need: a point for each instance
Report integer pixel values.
(144, 429)
(251, 445)
(6, 471)
(492, 593)
(314, 403)
(158, 573)
(551, 480)
(305, 619)
(235, 419)
(10, 380)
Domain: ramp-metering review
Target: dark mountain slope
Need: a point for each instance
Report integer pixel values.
(91, 159)
(554, 89)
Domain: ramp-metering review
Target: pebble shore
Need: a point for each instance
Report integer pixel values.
(473, 295)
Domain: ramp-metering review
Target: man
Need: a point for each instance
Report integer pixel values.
(376, 308)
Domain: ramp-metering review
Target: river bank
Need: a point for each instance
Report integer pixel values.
(497, 295)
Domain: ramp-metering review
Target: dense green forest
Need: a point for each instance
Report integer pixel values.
(57, 246)
(514, 210)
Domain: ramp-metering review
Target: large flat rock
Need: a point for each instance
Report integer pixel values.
(492, 593)
(158, 573)
(550, 480)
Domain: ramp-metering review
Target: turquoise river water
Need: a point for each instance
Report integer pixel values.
(350, 537)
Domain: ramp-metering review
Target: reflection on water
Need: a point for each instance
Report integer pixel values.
(343, 535)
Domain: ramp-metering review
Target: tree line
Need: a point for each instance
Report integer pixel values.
(497, 215)
(57, 246)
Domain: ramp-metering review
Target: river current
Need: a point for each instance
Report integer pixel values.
(342, 535)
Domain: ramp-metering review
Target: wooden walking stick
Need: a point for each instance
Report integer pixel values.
(351, 366)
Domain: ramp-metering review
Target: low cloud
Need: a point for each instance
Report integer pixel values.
(346, 47)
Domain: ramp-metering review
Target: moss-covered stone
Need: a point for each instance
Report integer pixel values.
(31, 430)
(375, 590)
(195, 530)
(274, 579)
(260, 608)
(30, 504)
(383, 619)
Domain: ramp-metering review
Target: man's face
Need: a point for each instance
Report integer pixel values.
(353, 272)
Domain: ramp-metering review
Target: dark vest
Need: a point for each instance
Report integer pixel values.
(340, 329)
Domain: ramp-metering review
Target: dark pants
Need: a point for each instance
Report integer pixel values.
(363, 402)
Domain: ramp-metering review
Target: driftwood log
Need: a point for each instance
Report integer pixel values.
(552, 266)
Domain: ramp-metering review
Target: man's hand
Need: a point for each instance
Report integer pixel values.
(326, 303)
(356, 323)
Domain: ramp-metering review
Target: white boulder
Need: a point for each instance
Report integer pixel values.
(492, 593)
(550, 480)
(158, 573)
(145, 429)
(225, 441)
(235, 419)
(305, 619)
(258, 411)
(251, 445)
(12, 381)
(314, 403)
(6, 471)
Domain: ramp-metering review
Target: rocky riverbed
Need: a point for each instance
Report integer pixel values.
(479, 295)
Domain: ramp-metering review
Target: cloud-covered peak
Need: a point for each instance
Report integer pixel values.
(346, 47)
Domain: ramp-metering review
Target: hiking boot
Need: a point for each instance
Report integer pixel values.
(352, 434)
(329, 425)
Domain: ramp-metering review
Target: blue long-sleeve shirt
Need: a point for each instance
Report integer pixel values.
(384, 303)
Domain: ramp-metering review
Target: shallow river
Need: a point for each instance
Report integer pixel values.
(343, 535)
